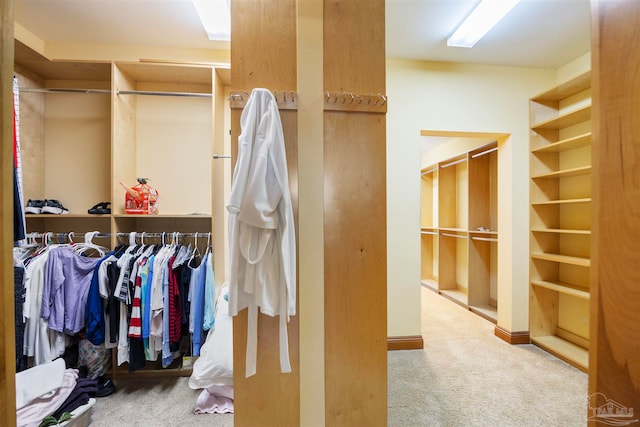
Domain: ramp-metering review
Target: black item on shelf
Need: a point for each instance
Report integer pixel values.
(100, 208)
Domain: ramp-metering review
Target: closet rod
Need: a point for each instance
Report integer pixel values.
(457, 236)
(454, 163)
(165, 234)
(429, 171)
(64, 90)
(490, 150)
(158, 93)
(428, 232)
(37, 235)
(485, 239)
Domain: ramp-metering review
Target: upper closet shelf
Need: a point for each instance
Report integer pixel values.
(562, 201)
(565, 90)
(584, 170)
(579, 141)
(565, 120)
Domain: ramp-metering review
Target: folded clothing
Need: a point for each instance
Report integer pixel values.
(78, 397)
(38, 381)
(38, 409)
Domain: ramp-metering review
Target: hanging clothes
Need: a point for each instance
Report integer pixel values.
(19, 222)
(66, 287)
(19, 293)
(261, 226)
(40, 342)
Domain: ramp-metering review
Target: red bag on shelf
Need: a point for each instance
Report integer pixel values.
(141, 199)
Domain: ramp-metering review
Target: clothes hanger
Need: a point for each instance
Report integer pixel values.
(82, 248)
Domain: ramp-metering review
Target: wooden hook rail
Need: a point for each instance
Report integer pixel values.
(286, 99)
(349, 101)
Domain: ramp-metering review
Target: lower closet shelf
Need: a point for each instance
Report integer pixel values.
(488, 312)
(565, 350)
(458, 296)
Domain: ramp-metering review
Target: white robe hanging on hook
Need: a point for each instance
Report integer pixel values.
(261, 226)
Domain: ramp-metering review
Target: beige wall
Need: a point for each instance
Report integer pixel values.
(469, 98)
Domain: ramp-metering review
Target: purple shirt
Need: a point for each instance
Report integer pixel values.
(66, 286)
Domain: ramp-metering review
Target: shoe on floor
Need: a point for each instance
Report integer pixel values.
(106, 387)
(34, 206)
(52, 206)
(100, 208)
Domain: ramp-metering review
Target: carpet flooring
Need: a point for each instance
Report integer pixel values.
(465, 376)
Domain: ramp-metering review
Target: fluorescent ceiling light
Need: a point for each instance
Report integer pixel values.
(215, 16)
(486, 14)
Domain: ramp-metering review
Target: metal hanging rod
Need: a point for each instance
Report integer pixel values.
(64, 90)
(221, 156)
(457, 236)
(454, 163)
(72, 234)
(159, 93)
(428, 232)
(490, 150)
(118, 91)
(427, 172)
(165, 234)
(484, 239)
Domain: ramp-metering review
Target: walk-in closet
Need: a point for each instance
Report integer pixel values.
(421, 286)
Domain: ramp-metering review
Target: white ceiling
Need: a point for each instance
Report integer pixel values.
(536, 33)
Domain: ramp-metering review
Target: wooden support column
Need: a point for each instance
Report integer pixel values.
(614, 357)
(7, 339)
(355, 214)
(263, 54)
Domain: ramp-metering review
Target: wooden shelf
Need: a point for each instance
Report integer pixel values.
(488, 312)
(565, 120)
(565, 350)
(163, 216)
(430, 284)
(579, 141)
(562, 201)
(565, 259)
(566, 173)
(560, 231)
(456, 295)
(69, 215)
(460, 195)
(560, 141)
(563, 288)
(567, 89)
